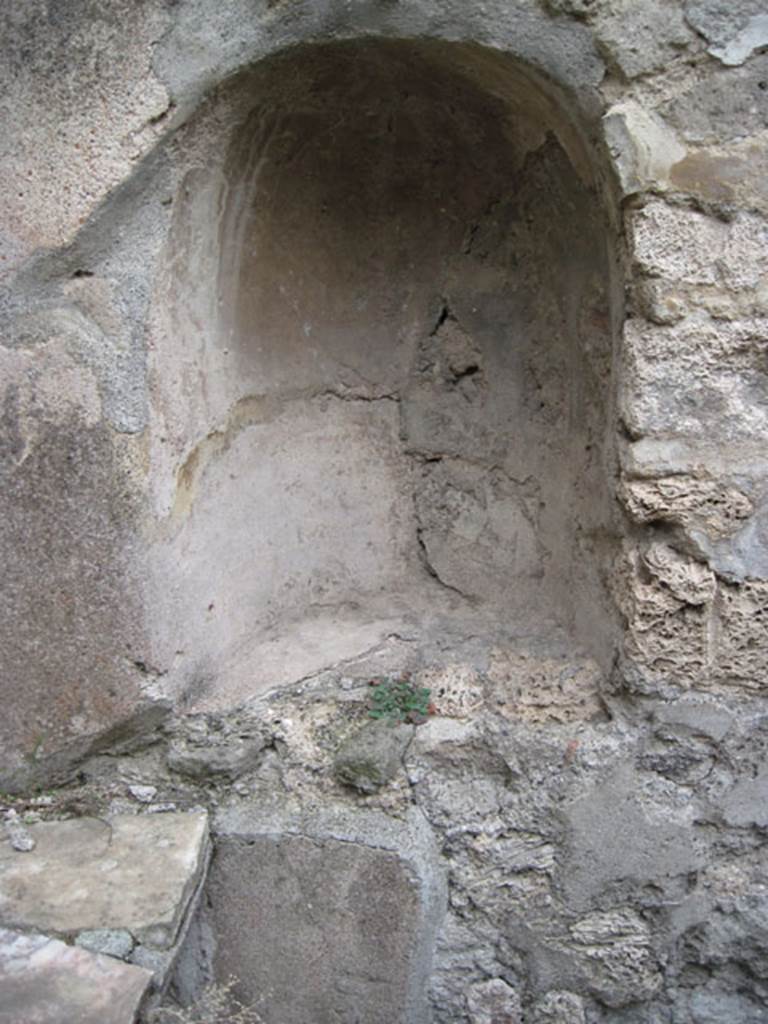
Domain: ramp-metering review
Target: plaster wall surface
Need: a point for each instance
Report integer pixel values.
(121, 282)
(383, 356)
(342, 339)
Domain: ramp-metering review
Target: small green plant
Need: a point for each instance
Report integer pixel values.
(398, 700)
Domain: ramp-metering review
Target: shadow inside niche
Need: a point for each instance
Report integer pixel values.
(405, 368)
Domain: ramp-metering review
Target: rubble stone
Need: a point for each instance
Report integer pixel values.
(144, 794)
(679, 375)
(733, 30)
(117, 942)
(534, 688)
(559, 1008)
(690, 502)
(668, 600)
(742, 643)
(615, 946)
(372, 756)
(728, 177)
(643, 148)
(688, 247)
(489, 1002)
(746, 803)
(640, 38)
(717, 108)
(643, 850)
(18, 834)
(456, 690)
(218, 756)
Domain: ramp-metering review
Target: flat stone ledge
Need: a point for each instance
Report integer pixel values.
(131, 872)
(44, 981)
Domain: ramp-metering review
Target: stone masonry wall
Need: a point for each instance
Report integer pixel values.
(599, 816)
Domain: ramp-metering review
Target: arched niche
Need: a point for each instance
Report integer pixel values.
(391, 301)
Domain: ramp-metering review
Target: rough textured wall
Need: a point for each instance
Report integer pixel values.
(77, 94)
(602, 833)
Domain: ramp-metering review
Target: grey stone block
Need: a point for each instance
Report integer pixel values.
(613, 840)
(327, 918)
(371, 757)
(746, 803)
(734, 28)
(227, 759)
(115, 942)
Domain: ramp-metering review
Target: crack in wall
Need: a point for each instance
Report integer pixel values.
(426, 562)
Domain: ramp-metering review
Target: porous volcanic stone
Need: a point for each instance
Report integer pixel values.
(489, 1002)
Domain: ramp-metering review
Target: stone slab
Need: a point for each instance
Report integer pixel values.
(326, 917)
(44, 981)
(134, 872)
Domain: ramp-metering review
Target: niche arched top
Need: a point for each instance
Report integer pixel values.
(399, 287)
